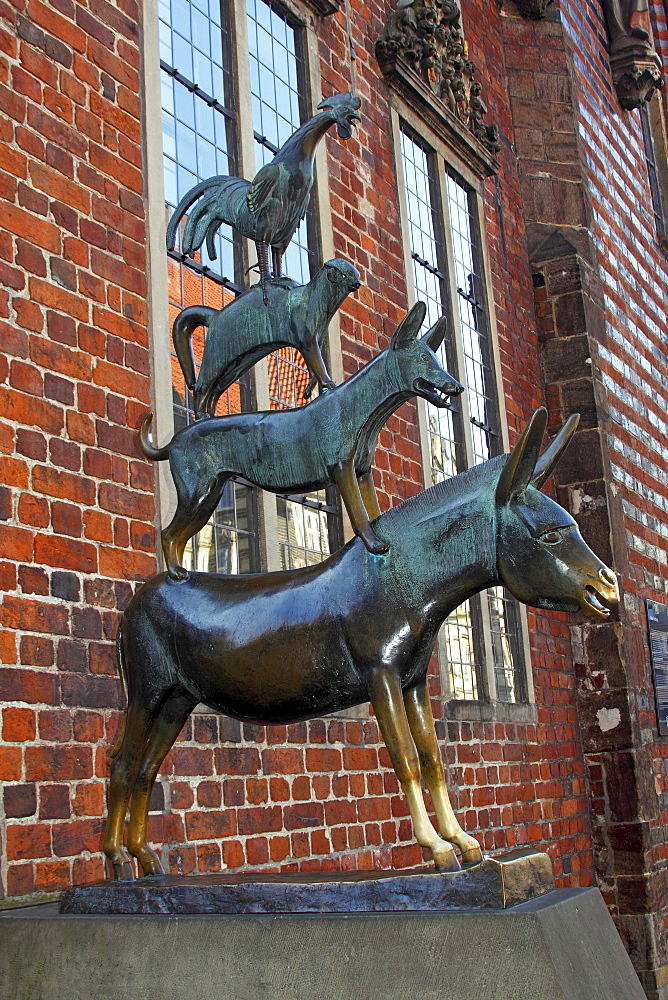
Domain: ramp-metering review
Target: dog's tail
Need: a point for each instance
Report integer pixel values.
(122, 671)
(155, 454)
(184, 325)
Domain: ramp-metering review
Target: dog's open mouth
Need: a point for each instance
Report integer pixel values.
(439, 397)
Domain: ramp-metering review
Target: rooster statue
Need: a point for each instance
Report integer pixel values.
(269, 208)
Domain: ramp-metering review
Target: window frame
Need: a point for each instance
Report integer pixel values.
(449, 161)
(655, 150)
(300, 16)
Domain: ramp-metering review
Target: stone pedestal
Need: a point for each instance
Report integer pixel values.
(561, 946)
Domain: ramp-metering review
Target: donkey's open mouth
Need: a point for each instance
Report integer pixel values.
(607, 588)
(592, 601)
(434, 394)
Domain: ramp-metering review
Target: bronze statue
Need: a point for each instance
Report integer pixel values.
(333, 439)
(244, 331)
(269, 208)
(623, 24)
(279, 647)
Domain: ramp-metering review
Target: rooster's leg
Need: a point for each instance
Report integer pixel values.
(263, 264)
(276, 260)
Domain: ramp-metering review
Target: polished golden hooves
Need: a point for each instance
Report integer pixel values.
(123, 871)
(446, 861)
(472, 856)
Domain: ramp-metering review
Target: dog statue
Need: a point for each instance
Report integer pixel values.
(332, 439)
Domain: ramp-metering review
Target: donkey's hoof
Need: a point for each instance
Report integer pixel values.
(472, 855)
(149, 860)
(123, 871)
(445, 859)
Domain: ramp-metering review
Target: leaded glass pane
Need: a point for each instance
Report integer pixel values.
(279, 102)
(504, 626)
(429, 264)
(470, 299)
(197, 136)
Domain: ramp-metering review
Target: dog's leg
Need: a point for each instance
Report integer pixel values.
(388, 703)
(192, 512)
(368, 493)
(421, 722)
(344, 476)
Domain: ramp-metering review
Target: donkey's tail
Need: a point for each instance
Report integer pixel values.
(122, 671)
(185, 324)
(155, 454)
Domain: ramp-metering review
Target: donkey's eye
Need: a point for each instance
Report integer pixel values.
(551, 537)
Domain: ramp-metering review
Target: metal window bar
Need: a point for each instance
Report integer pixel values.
(461, 634)
(308, 526)
(652, 172)
(198, 136)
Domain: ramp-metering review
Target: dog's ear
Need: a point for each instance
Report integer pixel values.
(409, 327)
(434, 337)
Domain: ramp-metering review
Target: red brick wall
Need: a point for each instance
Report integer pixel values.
(78, 502)
(77, 497)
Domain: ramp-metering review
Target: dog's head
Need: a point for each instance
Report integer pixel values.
(417, 368)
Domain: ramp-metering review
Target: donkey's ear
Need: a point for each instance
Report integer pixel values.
(519, 469)
(434, 337)
(553, 453)
(409, 327)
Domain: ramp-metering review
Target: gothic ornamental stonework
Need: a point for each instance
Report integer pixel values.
(636, 66)
(535, 9)
(425, 38)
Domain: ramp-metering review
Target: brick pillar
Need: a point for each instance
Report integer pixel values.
(613, 695)
(609, 658)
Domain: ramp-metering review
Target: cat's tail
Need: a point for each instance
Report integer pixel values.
(183, 327)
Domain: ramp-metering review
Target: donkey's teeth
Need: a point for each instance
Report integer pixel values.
(592, 599)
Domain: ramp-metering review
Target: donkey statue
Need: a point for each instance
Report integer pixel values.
(294, 451)
(279, 647)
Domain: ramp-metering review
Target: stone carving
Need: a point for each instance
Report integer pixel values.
(244, 331)
(636, 67)
(358, 627)
(534, 9)
(332, 439)
(427, 35)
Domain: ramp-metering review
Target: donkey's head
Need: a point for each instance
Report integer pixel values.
(542, 558)
(413, 363)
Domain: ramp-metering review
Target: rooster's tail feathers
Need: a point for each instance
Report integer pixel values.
(189, 199)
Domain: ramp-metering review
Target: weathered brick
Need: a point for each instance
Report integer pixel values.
(30, 841)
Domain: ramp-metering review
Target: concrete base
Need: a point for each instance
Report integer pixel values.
(562, 946)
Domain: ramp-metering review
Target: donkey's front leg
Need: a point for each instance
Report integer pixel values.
(421, 722)
(387, 700)
(345, 478)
